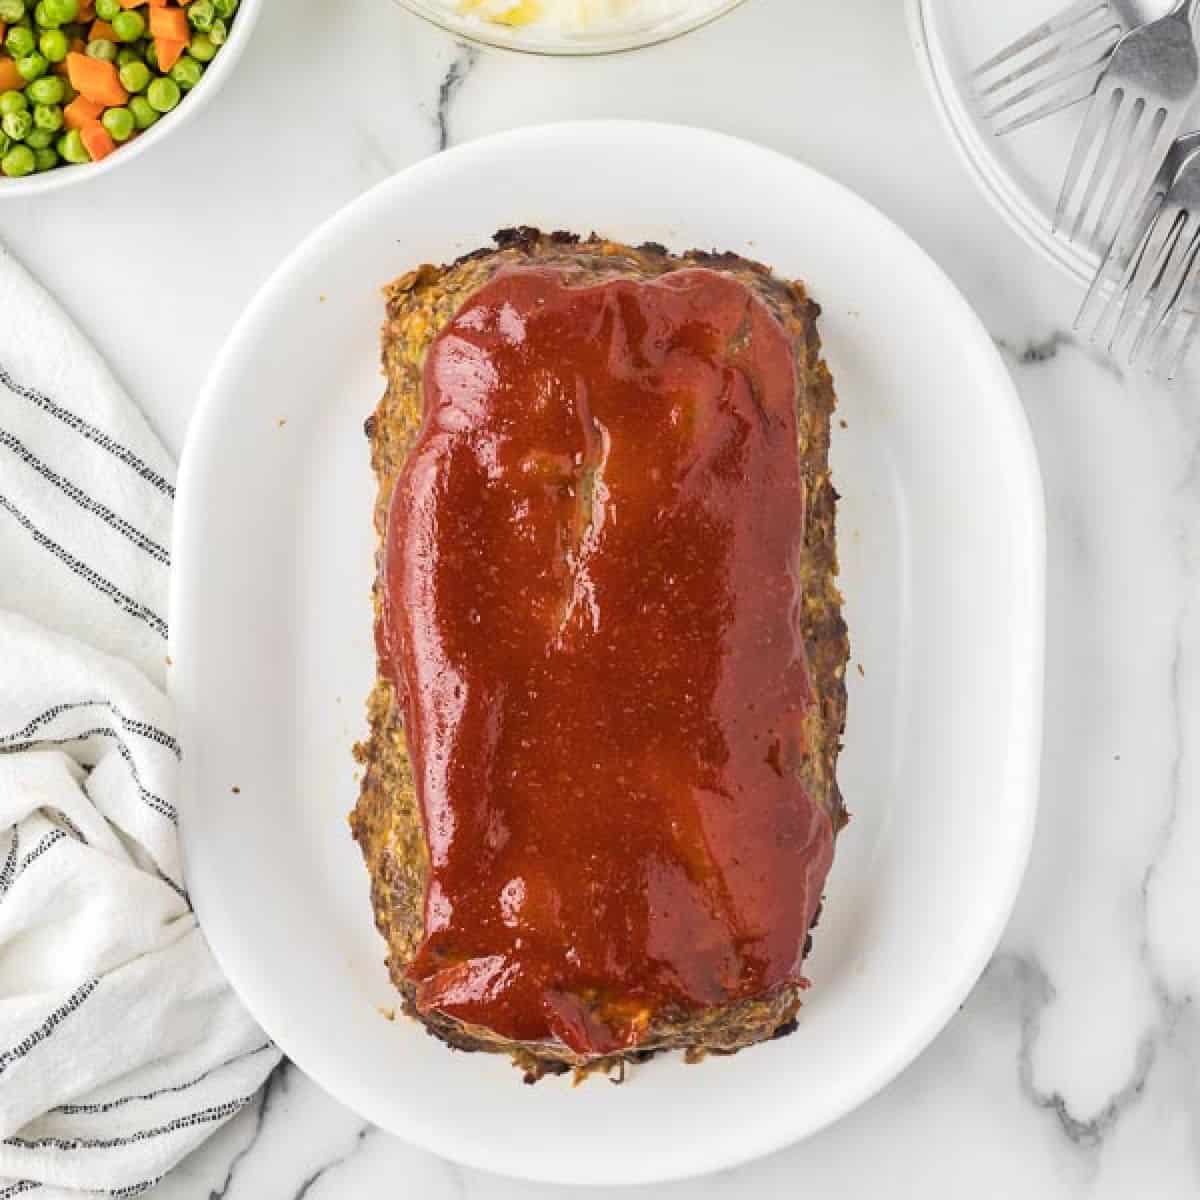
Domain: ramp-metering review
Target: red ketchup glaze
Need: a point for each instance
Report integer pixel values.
(591, 608)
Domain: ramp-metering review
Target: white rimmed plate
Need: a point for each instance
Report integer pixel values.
(942, 547)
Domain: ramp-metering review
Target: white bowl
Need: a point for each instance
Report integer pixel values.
(533, 40)
(941, 542)
(214, 76)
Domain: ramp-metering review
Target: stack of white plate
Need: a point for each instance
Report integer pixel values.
(1022, 172)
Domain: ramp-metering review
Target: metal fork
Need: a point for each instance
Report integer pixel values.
(1058, 64)
(1137, 111)
(1154, 285)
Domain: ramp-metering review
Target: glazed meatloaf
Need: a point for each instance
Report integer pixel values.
(598, 803)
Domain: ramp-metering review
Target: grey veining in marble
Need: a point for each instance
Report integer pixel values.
(452, 82)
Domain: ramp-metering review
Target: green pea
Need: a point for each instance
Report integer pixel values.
(17, 124)
(71, 147)
(20, 41)
(45, 159)
(60, 11)
(32, 66)
(129, 26)
(47, 90)
(135, 77)
(119, 122)
(127, 54)
(186, 72)
(200, 14)
(107, 9)
(39, 139)
(219, 32)
(12, 102)
(201, 48)
(18, 161)
(54, 45)
(152, 55)
(144, 113)
(163, 94)
(6, 143)
(225, 8)
(11, 10)
(48, 117)
(102, 49)
(42, 18)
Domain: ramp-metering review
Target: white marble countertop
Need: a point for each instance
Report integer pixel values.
(1074, 1069)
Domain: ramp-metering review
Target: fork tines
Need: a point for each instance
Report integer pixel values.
(1153, 305)
(1050, 68)
(1121, 144)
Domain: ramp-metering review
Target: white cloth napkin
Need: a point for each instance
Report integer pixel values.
(121, 1045)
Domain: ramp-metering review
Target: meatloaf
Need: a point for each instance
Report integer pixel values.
(598, 802)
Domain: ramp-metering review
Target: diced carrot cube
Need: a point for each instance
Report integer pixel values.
(169, 24)
(96, 79)
(97, 141)
(169, 52)
(80, 112)
(10, 78)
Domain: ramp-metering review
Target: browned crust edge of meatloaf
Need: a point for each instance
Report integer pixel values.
(386, 821)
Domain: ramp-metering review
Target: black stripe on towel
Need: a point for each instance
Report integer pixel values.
(136, 1189)
(48, 1026)
(8, 871)
(71, 833)
(163, 807)
(114, 593)
(18, 1189)
(150, 732)
(106, 514)
(57, 814)
(88, 431)
(55, 835)
(50, 839)
(206, 1116)
(72, 1110)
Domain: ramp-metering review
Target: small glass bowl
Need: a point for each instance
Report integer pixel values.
(531, 40)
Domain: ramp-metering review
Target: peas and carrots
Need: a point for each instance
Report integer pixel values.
(80, 78)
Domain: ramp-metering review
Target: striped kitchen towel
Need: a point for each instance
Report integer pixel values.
(121, 1045)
